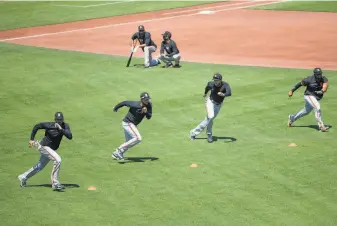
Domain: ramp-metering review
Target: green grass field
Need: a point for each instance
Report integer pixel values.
(313, 6)
(249, 176)
(254, 180)
(26, 14)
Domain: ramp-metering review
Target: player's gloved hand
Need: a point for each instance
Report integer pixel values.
(290, 94)
(58, 126)
(221, 94)
(115, 110)
(319, 92)
(144, 110)
(31, 143)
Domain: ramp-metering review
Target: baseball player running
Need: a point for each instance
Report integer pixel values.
(219, 90)
(137, 111)
(169, 51)
(54, 132)
(146, 44)
(316, 86)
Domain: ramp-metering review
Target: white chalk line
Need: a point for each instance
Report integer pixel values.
(213, 7)
(244, 7)
(127, 23)
(88, 6)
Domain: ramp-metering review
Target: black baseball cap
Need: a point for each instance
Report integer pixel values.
(141, 28)
(59, 116)
(167, 33)
(217, 76)
(318, 71)
(145, 95)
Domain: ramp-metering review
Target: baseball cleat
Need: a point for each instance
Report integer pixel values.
(23, 181)
(323, 129)
(58, 187)
(176, 66)
(192, 136)
(117, 155)
(289, 121)
(209, 138)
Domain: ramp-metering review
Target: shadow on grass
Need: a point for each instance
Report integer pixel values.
(138, 65)
(311, 126)
(49, 185)
(137, 159)
(215, 138)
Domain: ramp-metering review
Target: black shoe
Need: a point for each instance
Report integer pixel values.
(177, 66)
(58, 187)
(209, 138)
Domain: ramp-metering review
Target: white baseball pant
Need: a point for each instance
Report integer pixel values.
(132, 136)
(46, 154)
(311, 103)
(148, 50)
(175, 58)
(212, 110)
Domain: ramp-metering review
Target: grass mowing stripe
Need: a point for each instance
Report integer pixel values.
(256, 179)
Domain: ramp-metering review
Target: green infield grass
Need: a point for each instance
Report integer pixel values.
(27, 14)
(312, 6)
(248, 176)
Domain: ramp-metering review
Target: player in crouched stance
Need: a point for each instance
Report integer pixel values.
(316, 86)
(137, 111)
(54, 132)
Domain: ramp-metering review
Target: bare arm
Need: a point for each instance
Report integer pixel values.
(325, 87)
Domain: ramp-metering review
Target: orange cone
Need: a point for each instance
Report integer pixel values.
(92, 188)
(292, 145)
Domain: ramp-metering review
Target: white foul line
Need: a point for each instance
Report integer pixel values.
(127, 23)
(212, 7)
(87, 6)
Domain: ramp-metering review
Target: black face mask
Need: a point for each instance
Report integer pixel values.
(318, 77)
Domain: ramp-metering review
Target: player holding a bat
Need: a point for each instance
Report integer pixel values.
(146, 44)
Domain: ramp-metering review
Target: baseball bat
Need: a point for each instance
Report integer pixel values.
(129, 60)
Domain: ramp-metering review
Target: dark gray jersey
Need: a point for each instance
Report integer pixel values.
(223, 88)
(53, 135)
(144, 38)
(170, 48)
(135, 108)
(312, 85)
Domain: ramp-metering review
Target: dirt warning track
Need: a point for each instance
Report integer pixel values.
(222, 33)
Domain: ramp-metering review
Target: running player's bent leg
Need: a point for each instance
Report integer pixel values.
(53, 156)
(127, 138)
(36, 168)
(210, 124)
(205, 122)
(306, 110)
(317, 109)
(133, 136)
